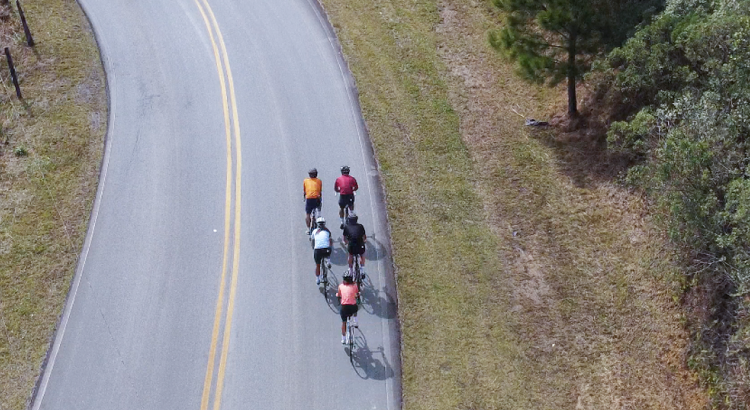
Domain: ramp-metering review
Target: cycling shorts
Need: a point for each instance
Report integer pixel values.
(346, 200)
(356, 248)
(310, 204)
(348, 310)
(321, 253)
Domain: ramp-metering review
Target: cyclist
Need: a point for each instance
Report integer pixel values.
(322, 246)
(312, 189)
(345, 185)
(347, 295)
(354, 239)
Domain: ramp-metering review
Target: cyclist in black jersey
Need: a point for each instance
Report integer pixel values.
(354, 239)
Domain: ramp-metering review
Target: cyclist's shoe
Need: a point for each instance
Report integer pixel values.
(317, 280)
(362, 272)
(354, 322)
(342, 226)
(328, 264)
(343, 340)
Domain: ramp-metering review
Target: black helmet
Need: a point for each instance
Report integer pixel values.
(347, 276)
(345, 170)
(313, 173)
(353, 217)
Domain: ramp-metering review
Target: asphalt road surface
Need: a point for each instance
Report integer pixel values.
(195, 288)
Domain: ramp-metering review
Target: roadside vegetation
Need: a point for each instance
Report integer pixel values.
(677, 96)
(529, 276)
(50, 150)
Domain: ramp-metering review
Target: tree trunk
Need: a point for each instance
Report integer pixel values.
(572, 102)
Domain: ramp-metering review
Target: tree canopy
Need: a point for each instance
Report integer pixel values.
(555, 40)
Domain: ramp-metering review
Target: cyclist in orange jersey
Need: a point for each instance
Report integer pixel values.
(312, 189)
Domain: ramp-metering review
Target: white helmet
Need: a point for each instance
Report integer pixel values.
(321, 221)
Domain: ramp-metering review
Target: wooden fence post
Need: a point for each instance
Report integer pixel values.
(29, 39)
(13, 73)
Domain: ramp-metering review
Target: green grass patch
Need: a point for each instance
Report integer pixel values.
(51, 149)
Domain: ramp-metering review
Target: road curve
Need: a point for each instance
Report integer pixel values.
(195, 287)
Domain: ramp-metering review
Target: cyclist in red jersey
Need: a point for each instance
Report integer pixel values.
(345, 185)
(347, 295)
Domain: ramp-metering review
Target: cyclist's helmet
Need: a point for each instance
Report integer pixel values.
(345, 170)
(321, 221)
(347, 276)
(353, 218)
(313, 173)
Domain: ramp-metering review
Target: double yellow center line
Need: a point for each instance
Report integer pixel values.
(232, 126)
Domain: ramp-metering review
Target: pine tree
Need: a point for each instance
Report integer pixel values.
(554, 40)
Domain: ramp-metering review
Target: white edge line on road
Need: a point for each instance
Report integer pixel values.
(38, 396)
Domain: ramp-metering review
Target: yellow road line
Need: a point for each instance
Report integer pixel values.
(237, 216)
(212, 26)
(227, 220)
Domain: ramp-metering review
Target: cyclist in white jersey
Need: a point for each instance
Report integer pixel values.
(322, 246)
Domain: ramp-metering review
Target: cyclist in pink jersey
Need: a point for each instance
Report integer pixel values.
(347, 295)
(345, 185)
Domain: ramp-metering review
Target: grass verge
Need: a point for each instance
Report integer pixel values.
(526, 280)
(51, 150)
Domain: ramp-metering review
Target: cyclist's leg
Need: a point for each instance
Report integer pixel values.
(327, 257)
(344, 315)
(308, 211)
(318, 255)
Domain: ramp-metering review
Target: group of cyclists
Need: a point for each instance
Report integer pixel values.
(353, 233)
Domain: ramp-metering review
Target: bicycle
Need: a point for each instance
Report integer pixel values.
(350, 335)
(324, 263)
(357, 274)
(313, 225)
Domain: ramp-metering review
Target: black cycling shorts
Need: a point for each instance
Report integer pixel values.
(321, 253)
(348, 310)
(310, 204)
(346, 200)
(356, 249)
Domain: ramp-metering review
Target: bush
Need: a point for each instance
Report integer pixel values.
(681, 86)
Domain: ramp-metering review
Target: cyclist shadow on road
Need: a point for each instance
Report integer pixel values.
(329, 292)
(374, 250)
(377, 302)
(369, 364)
(339, 255)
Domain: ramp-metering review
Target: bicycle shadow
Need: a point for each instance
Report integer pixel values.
(364, 362)
(377, 302)
(329, 293)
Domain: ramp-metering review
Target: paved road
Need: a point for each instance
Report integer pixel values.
(195, 288)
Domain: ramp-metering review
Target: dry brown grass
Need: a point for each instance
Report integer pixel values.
(46, 195)
(526, 278)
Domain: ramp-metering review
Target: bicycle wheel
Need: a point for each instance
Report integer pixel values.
(350, 336)
(358, 280)
(324, 273)
(313, 226)
(358, 275)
